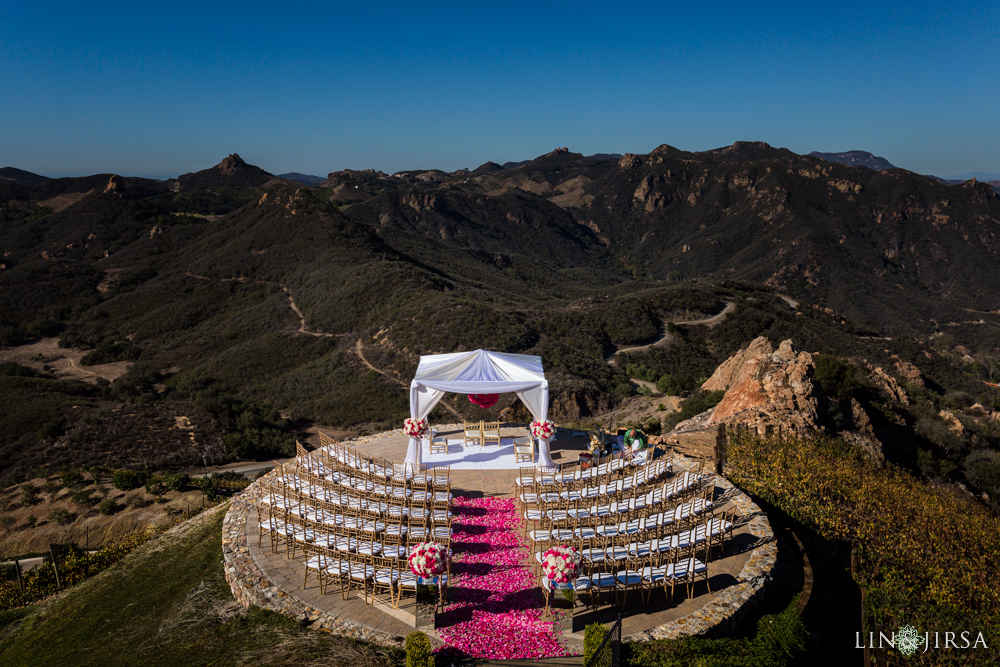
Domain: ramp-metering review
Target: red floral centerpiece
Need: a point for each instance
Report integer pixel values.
(543, 430)
(484, 400)
(428, 560)
(415, 428)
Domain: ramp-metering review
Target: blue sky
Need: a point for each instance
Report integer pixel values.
(164, 89)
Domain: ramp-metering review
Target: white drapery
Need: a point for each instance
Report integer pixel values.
(479, 372)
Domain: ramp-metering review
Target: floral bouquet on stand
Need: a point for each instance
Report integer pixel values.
(428, 560)
(560, 566)
(543, 429)
(415, 428)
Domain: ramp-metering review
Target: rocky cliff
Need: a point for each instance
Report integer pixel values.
(767, 387)
(774, 389)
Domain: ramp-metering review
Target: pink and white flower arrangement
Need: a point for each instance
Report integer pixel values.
(560, 564)
(543, 430)
(428, 559)
(415, 428)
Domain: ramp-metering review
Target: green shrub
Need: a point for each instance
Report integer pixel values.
(126, 480)
(15, 369)
(82, 498)
(982, 468)
(29, 494)
(836, 377)
(418, 650)
(208, 488)
(675, 385)
(108, 506)
(177, 481)
(32, 520)
(71, 477)
(7, 521)
(156, 486)
(592, 638)
(52, 428)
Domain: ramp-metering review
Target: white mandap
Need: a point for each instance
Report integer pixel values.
(479, 372)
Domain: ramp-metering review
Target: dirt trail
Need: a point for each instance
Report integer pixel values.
(666, 338)
(63, 362)
(361, 355)
(789, 300)
(291, 301)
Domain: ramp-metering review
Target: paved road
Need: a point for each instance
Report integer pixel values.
(30, 563)
(248, 470)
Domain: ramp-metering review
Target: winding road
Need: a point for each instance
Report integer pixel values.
(667, 338)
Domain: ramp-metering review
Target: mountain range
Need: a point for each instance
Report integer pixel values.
(282, 292)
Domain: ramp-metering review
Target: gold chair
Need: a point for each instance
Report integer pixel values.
(491, 433)
(473, 432)
(524, 449)
(439, 444)
(385, 577)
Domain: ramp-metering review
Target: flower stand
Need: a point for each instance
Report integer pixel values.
(559, 608)
(430, 596)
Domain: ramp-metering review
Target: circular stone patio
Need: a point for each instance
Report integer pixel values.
(738, 579)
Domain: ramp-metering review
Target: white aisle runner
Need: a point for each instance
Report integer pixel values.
(474, 457)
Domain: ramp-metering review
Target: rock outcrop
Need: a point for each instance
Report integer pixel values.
(727, 372)
(232, 164)
(766, 388)
(887, 385)
(421, 202)
(628, 161)
(769, 389)
(863, 435)
(909, 372)
(115, 186)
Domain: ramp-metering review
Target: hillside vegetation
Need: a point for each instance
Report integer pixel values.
(927, 555)
(168, 604)
(242, 298)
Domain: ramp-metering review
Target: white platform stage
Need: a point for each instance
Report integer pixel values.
(474, 457)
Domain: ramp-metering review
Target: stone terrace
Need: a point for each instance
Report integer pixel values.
(737, 579)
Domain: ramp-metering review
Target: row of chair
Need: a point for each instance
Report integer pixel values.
(642, 574)
(615, 486)
(482, 433)
(352, 518)
(611, 504)
(369, 573)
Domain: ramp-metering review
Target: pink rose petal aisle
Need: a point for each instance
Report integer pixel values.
(495, 611)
